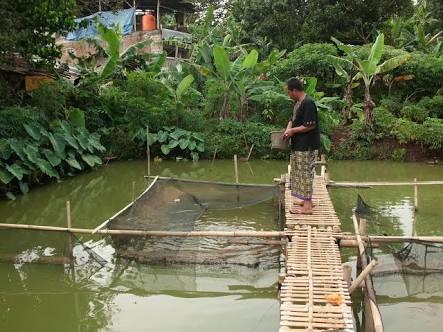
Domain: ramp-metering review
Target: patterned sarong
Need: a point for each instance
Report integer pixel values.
(302, 173)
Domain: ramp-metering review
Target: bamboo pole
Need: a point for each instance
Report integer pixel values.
(133, 191)
(125, 208)
(130, 232)
(158, 14)
(362, 276)
(236, 168)
(415, 195)
(68, 214)
(70, 235)
(323, 171)
(148, 151)
(376, 239)
(383, 183)
(377, 323)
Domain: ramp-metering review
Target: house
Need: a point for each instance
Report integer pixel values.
(171, 37)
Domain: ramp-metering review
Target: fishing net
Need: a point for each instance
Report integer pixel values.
(178, 205)
(417, 265)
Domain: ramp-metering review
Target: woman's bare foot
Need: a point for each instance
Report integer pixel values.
(297, 201)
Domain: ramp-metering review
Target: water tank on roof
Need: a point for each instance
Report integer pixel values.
(148, 21)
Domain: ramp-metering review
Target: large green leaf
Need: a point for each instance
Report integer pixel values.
(369, 68)
(58, 143)
(10, 196)
(16, 170)
(377, 50)
(165, 149)
(52, 157)
(251, 59)
(5, 176)
(184, 143)
(33, 130)
(173, 144)
(82, 138)
(17, 146)
(222, 62)
(184, 85)
(393, 63)
(24, 187)
(162, 136)
(77, 117)
(47, 168)
(31, 152)
(91, 160)
(73, 163)
(94, 141)
(341, 46)
(200, 147)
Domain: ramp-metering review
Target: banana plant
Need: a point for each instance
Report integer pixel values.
(368, 69)
(230, 73)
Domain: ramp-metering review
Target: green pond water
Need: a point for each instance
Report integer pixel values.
(120, 295)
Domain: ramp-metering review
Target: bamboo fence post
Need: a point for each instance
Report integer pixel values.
(236, 168)
(148, 151)
(323, 171)
(133, 191)
(68, 215)
(362, 276)
(415, 195)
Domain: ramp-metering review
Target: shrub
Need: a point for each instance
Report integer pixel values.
(399, 154)
(406, 131)
(13, 118)
(384, 120)
(231, 137)
(414, 113)
(309, 60)
(432, 133)
(428, 72)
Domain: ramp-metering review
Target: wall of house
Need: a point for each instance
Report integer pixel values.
(82, 48)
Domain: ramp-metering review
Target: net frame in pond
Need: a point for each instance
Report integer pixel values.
(171, 204)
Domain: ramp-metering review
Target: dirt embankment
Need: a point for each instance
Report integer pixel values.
(385, 148)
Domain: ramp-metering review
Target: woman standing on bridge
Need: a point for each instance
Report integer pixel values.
(305, 143)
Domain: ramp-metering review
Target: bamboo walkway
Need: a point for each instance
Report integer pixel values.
(314, 296)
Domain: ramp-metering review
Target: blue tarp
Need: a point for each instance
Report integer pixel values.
(123, 18)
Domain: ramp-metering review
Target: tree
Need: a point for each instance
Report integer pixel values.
(367, 69)
(29, 27)
(284, 23)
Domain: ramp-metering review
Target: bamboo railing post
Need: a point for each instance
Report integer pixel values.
(415, 195)
(323, 171)
(362, 276)
(236, 168)
(133, 191)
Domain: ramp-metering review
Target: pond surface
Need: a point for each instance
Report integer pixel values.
(119, 295)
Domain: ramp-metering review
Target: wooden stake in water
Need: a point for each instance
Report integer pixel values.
(69, 225)
(68, 214)
(415, 195)
(133, 190)
(148, 152)
(236, 168)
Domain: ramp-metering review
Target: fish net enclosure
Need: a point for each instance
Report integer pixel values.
(180, 205)
(418, 265)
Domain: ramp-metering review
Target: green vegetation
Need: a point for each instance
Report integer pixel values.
(370, 88)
